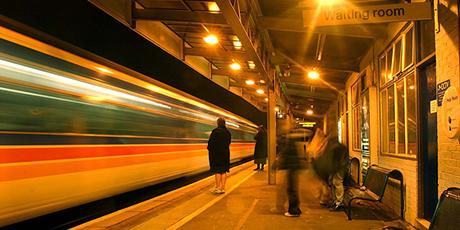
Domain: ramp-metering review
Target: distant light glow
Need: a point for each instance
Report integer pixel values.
(211, 39)
(411, 87)
(260, 91)
(262, 81)
(310, 112)
(313, 74)
(237, 44)
(266, 99)
(251, 65)
(277, 109)
(327, 2)
(250, 82)
(235, 66)
(213, 7)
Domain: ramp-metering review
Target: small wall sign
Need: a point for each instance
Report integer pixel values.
(441, 89)
(451, 106)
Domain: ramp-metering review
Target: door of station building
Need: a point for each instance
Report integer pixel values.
(428, 153)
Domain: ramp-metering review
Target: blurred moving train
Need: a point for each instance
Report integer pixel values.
(74, 131)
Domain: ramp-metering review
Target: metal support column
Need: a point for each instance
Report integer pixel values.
(271, 132)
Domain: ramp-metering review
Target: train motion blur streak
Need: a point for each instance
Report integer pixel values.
(70, 134)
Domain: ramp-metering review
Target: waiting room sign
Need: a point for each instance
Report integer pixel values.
(350, 14)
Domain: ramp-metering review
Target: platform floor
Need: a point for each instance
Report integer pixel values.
(249, 203)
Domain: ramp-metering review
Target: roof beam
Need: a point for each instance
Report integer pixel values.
(179, 16)
(315, 95)
(336, 64)
(234, 21)
(216, 53)
(296, 25)
(319, 84)
(246, 74)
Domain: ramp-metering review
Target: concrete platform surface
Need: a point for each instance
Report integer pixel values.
(249, 203)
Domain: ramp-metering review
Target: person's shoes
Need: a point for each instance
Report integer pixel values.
(220, 191)
(288, 214)
(336, 207)
(262, 169)
(256, 169)
(213, 190)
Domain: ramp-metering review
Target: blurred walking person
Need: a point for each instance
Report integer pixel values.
(292, 160)
(260, 151)
(219, 155)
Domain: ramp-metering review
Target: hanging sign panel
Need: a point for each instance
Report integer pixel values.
(351, 15)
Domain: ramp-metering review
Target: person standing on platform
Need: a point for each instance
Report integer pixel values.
(292, 160)
(219, 155)
(260, 151)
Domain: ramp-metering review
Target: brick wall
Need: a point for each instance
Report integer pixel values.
(391, 198)
(447, 67)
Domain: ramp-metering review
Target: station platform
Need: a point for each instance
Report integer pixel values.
(249, 203)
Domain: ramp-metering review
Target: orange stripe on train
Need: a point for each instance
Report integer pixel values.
(37, 153)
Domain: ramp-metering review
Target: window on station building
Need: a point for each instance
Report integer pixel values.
(408, 48)
(425, 39)
(356, 114)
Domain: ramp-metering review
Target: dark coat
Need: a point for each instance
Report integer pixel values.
(290, 157)
(260, 151)
(334, 159)
(219, 150)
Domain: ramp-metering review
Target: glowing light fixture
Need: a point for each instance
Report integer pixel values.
(103, 70)
(313, 74)
(237, 44)
(266, 99)
(235, 66)
(411, 87)
(251, 65)
(262, 81)
(260, 91)
(250, 82)
(277, 109)
(310, 112)
(213, 7)
(327, 2)
(211, 39)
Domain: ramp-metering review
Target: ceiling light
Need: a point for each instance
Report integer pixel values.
(235, 66)
(327, 2)
(260, 91)
(310, 112)
(266, 99)
(237, 44)
(213, 7)
(211, 39)
(251, 65)
(313, 74)
(250, 82)
(411, 87)
(277, 109)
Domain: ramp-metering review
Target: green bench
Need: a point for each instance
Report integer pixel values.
(373, 188)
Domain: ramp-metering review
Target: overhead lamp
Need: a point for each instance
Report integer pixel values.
(235, 66)
(277, 109)
(260, 91)
(213, 7)
(313, 74)
(310, 112)
(211, 39)
(411, 87)
(250, 82)
(262, 81)
(237, 44)
(266, 99)
(251, 65)
(327, 2)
